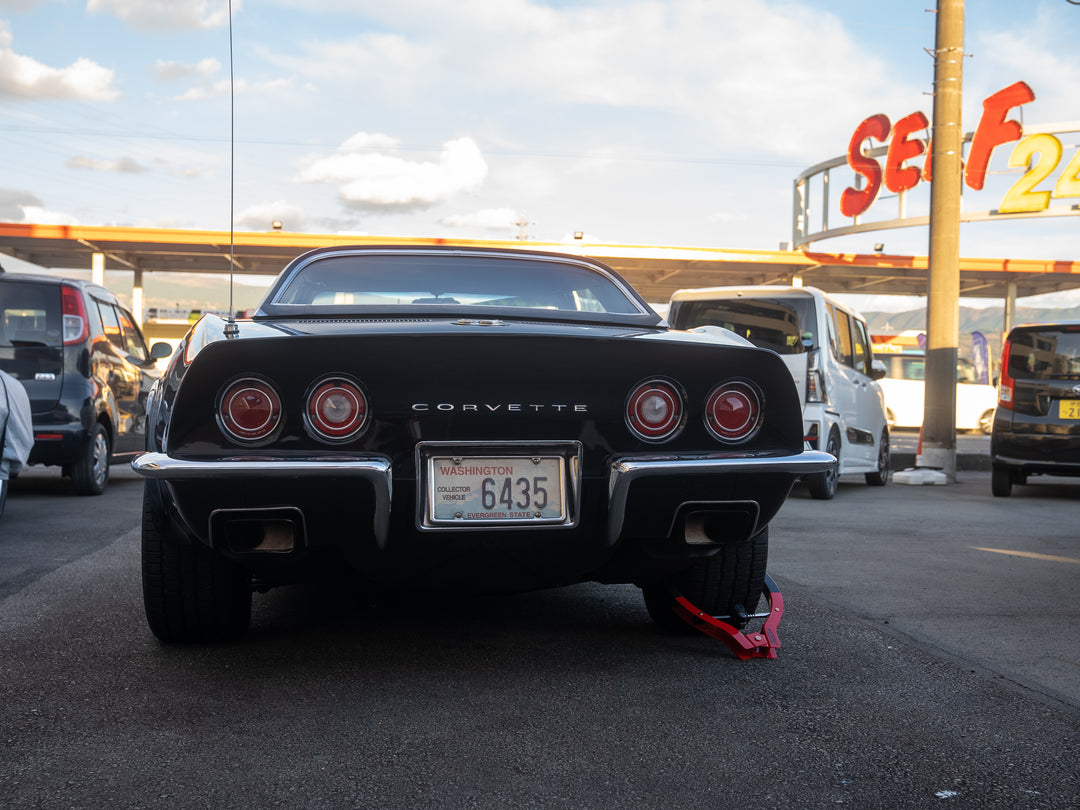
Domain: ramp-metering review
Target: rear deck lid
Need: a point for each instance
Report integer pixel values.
(31, 339)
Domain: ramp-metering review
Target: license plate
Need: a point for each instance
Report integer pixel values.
(495, 490)
(1069, 409)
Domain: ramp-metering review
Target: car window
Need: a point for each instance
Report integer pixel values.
(863, 353)
(133, 341)
(912, 368)
(1051, 354)
(843, 334)
(29, 314)
(778, 323)
(965, 371)
(408, 279)
(110, 323)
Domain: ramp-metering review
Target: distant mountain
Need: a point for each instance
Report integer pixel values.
(990, 321)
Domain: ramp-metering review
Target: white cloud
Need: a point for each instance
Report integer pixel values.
(23, 77)
(221, 87)
(490, 219)
(12, 203)
(21, 5)
(170, 71)
(392, 57)
(367, 140)
(43, 216)
(124, 165)
(166, 15)
(379, 182)
(262, 216)
(729, 69)
(1034, 53)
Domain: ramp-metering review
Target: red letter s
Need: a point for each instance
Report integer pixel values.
(854, 201)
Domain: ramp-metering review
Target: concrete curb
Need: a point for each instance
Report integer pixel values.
(964, 461)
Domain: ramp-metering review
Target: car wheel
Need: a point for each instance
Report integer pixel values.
(1001, 481)
(880, 477)
(733, 577)
(823, 485)
(90, 472)
(986, 422)
(189, 592)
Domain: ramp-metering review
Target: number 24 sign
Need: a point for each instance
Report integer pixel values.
(994, 130)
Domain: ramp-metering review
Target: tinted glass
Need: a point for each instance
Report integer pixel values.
(29, 314)
(769, 323)
(352, 281)
(1050, 354)
(843, 335)
(863, 354)
(111, 324)
(133, 341)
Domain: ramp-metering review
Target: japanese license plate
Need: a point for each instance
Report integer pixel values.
(496, 489)
(1069, 409)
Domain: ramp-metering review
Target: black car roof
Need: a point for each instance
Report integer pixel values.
(56, 281)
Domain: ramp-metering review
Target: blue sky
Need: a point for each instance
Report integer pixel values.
(673, 122)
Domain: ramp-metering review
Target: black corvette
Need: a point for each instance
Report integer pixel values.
(491, 420)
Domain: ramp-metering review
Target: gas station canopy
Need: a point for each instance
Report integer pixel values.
(655, 272)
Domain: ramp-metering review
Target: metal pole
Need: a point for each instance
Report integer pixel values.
(943, 293)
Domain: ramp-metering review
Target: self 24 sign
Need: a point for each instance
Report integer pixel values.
(1039, 153)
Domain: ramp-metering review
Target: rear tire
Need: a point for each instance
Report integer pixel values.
(189, 592)
(1001, 481)
(986, 423)
(734, 576)
(823, 485)
(90, 472)
(880, 477)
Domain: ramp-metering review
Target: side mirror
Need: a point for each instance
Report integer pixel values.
(160, 350)
(878, 370)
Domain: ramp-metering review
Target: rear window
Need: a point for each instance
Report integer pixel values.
(29, 314)
(396, 280)
(1051, 354)
(769, 323)
(913, 367)
(904, 367)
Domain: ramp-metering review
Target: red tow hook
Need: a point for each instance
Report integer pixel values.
(762, 644)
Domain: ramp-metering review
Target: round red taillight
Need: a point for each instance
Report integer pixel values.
(733, 411)
(250, 410)
(654, 410)
(336, 409)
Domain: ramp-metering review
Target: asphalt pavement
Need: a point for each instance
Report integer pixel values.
(929, 659)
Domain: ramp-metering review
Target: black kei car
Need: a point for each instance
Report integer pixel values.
(481, 419)
(1036, 427)
(86, 368)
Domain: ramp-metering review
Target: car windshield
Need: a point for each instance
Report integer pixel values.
(359, 280)
(778, 323)
(1050, 354)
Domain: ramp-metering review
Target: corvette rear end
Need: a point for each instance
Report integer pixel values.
(489, 420)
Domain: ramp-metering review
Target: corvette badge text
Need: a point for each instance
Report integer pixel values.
(501, 407)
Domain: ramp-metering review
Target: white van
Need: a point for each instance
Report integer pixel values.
(826, 346)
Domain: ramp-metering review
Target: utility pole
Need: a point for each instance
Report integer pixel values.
(943, 289)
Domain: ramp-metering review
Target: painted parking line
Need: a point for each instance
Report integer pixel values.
(1029, 554)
